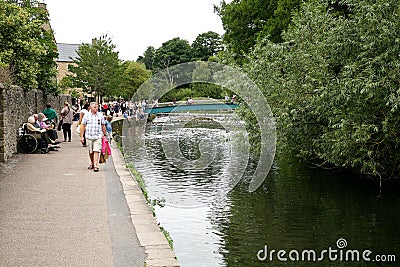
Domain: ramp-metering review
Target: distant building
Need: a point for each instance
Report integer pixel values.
(66, 54)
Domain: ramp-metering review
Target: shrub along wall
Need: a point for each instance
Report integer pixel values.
(16, 105)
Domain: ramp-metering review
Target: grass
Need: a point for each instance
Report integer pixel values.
(168, 237)
(139, 179)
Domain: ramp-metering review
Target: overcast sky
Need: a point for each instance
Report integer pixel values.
(133, 25)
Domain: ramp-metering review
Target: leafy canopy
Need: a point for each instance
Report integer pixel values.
(333, 84)
(134, 74)
(206, 45)
(97, 68)
(27, 46)
(177, 50)
(245, 21)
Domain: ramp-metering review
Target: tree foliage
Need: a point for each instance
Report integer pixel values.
(134, 74)
(334, 84)
(27, 47)
(97, 68)
(172, 52)
(245, 21)
(206, 45)
(177, 50)
(148, 57)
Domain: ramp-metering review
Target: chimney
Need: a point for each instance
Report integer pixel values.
(46, 26)
(42, 5)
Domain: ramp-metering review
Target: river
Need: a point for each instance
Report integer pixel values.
(313, 217)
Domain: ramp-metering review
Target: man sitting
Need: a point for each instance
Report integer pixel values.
(50, 114)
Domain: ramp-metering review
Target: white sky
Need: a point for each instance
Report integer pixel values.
(133, 25)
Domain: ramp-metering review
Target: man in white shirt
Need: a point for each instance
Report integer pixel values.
(93, 125)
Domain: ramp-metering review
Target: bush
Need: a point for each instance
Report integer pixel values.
(333, 85)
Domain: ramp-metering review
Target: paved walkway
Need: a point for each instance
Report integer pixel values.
(56, 212)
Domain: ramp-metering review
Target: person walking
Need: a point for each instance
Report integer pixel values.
(109, 127)
(116, 109)
(94, 127)
(85, 109)
(67, 115)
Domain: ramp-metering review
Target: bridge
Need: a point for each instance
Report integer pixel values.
(193, 107)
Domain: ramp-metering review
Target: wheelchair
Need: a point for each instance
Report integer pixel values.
(30, 142)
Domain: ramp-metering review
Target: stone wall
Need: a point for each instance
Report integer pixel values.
(16, 105)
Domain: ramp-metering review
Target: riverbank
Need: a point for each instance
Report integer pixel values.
(54, 211)
(157, 248)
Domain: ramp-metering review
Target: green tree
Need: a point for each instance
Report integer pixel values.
(206, 45)
(245, 21)
(134, 74)
(172, 52)
(148, 57)
(27, 46)
(98, 68)
(333, 85)
(280, 20)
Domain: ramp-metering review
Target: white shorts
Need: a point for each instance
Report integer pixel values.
(94, 145)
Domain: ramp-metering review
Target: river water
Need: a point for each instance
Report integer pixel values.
(298, 210)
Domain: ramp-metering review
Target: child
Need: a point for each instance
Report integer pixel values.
(109, 128)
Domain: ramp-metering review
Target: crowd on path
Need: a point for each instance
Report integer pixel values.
(94, 128)
(45, 125)
(126, 109)
(93, 124)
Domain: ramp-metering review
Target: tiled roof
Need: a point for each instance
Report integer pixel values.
(67, 52)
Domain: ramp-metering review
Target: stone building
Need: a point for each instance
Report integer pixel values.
(66, 54)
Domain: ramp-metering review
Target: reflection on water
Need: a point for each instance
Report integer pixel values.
(296, 208)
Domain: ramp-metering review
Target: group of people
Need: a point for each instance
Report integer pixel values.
(232, 100)
(43, 128)
(117, 108)
(94, 127)
(126, 108)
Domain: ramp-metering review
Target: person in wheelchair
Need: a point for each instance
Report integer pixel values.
(45, 141)
(48, 126)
